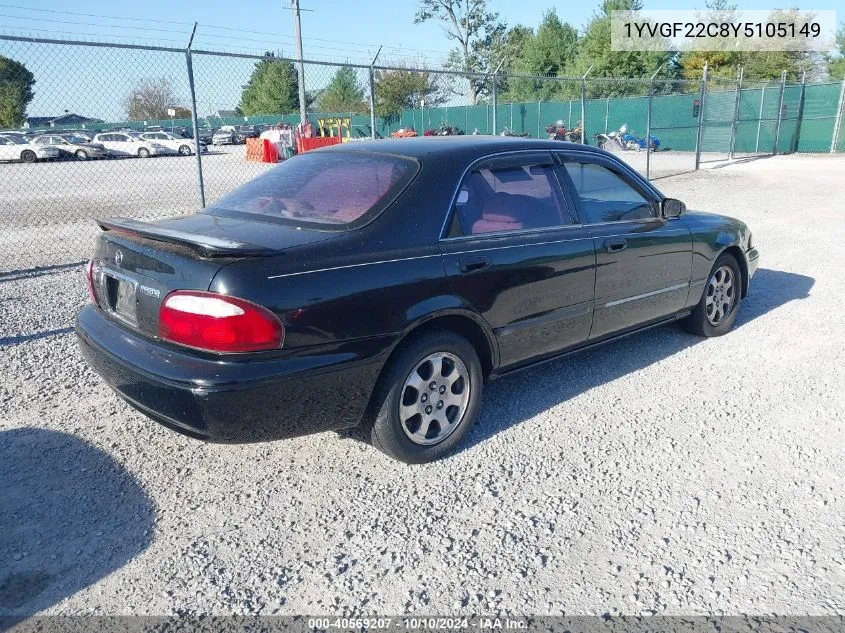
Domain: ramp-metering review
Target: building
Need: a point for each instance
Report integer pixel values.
(55, 121)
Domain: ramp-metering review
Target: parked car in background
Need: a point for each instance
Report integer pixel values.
(206, 134)
(224, 136)
(179, 144)
(71, 146)
(243, 132)
(15, 146)
(126, 144)
(383, 283)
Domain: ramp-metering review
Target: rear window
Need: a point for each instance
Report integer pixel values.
(342, 190)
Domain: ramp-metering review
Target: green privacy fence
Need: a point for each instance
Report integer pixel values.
(802, 118)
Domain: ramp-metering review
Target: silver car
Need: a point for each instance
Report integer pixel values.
(72, 146)
(15, 146)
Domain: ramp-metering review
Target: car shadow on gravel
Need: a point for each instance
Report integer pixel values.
(70, 515)
(580, 372)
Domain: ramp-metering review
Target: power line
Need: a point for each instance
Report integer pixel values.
(209, 26)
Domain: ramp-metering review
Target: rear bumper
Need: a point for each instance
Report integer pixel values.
(222, 400)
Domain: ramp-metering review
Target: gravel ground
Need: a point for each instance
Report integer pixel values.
(661, 474)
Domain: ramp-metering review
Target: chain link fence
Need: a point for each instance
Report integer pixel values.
(101, 146)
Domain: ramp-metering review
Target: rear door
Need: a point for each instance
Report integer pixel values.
(514, 253)
(643, 260)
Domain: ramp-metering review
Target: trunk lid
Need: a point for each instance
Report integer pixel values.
(137, 264)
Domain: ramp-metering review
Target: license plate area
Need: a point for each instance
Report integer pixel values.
(121, 297)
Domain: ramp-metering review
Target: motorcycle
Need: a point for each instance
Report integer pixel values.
(444, 130)
(625, 140)
(509, 132)
(557, 131)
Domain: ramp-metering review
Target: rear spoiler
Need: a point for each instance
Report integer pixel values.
(206, 245)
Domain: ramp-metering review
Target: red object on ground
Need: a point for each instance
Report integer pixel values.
(303, 144)
(261, 151)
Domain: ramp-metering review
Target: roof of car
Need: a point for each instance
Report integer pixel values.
(431, 146)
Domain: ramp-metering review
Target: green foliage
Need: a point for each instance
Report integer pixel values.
(343, 94)
(398, 90)
(15, 92)
(273, 88)
(836, 64)
(551, 51)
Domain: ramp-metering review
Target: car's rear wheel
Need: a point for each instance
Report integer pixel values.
(715, 313)
(426, 399)
(28, 156)
(143, 153)
(184, 150)
(81, 154)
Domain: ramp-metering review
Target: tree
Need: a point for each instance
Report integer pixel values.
(273, 88)
(400, 89)
(15, 92)
(769, 64)
(836, 65)
(343, 94)
(478, 32)
(551, 51)
(720, 63)
(150, 99)
(594, 50)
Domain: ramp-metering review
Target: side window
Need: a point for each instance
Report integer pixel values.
(605, 196)
(41, 140)
(495, 198)
(3, 141)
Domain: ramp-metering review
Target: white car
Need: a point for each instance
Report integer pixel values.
(185, 146)
(128, 144)
(14, 146)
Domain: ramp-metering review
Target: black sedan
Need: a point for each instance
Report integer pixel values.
(382, 283)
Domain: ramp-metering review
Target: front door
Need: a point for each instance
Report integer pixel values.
(643, 260)
(516, 256)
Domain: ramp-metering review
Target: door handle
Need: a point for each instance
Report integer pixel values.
(615, 246)
(473, 264)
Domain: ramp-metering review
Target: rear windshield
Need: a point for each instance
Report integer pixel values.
(326, 189)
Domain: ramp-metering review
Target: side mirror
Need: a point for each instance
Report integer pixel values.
(673, 208)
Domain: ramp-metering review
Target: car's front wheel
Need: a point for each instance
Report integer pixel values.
(28, 156)
(184, 150)
(81, 154)
(427, 398)
(715, 313)
(143, 153)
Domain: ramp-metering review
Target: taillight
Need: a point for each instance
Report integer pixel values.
(90, 274)
(218, 323)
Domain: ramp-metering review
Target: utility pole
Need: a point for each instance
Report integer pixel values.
(297, 33)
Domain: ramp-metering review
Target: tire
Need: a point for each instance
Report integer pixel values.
(712, 318)
(395, 398)
(143, 153)
(184, 150)
(81, 154)
(28, 156)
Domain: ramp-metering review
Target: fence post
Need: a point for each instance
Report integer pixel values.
(569, 120)
(606, 113)
(799, 118)
(190, 67)
(760, 119)
(700, 118)
(495, 102)
(780, 112)
(584, 104)
(837, 124)
(538, 119)
(647, 124)
(736, 113)
(373, 94)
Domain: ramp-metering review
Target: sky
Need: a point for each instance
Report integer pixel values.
(94, 82)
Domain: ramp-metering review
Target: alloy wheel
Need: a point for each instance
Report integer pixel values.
(434, 398)
(721, 295)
